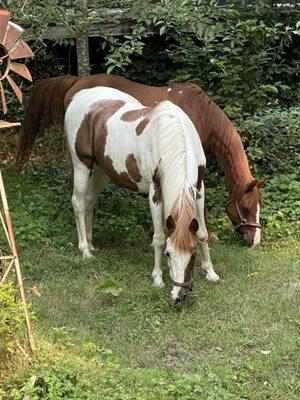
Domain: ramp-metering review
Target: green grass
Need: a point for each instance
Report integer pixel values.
(235, 340)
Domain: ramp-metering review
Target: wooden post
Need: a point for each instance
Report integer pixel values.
(82, 45)
(83, 56)
(8, 228)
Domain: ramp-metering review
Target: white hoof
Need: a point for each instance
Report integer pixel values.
(159, 283)
(212, 277)
(87, 254)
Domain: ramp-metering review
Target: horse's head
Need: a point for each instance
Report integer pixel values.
(243, 210)
(181, 250)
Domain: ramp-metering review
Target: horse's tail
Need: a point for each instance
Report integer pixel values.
(45, 107)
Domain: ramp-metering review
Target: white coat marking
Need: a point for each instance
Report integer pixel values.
(256, 239)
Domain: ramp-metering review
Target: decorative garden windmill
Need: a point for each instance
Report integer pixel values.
(12, 48)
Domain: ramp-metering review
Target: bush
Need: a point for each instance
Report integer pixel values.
(58, 381)
(271, 139)
(11, 321)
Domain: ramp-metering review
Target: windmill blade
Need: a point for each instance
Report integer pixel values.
(4, 18)
(15, 88)
(22, 70)
(20, 50)
(13, 33)
(3, 100)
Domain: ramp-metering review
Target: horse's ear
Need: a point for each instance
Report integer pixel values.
(194, 226)
(261, 183)
(170, 224)
(251, 185)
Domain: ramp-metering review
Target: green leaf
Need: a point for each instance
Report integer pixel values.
(110, 286)
(162, 30)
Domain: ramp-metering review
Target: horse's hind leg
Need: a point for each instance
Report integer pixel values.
(97, 182)
(159, 240)
(81, 180)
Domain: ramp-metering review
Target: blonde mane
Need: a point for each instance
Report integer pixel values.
(180, 153)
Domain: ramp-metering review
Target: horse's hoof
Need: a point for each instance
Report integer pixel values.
(212, 277)
(94, 249)
(87, 254)
(159, 284)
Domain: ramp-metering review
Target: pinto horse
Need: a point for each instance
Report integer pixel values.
(50, 98)
(154, 150)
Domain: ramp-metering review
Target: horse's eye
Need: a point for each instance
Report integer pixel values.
(167, 254)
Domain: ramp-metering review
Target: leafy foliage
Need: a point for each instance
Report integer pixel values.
(11, 321)
(60, 381)
(246, 56)
(272, 141)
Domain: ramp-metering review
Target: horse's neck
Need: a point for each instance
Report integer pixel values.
(226, 145)
(221, 139)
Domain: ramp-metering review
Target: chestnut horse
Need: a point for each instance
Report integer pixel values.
(50, 98)
(154, 150)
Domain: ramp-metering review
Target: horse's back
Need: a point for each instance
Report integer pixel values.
(101, 127)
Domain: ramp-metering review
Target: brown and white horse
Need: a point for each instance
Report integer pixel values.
(50, 98)
(153, 150)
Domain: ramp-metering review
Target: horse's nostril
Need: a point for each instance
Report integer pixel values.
(249, 243)
(178, 301)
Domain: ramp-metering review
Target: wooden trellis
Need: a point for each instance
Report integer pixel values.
(12, 48)
(9, 259)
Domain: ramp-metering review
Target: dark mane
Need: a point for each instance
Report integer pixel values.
(224, 141)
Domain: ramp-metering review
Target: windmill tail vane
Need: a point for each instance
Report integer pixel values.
(12, 48)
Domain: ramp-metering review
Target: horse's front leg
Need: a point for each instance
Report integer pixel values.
(159, 240)
(202, 235)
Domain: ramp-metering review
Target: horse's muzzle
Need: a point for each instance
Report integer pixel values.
(182, 295)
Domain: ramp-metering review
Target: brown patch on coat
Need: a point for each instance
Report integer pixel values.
(132, 168)
(141, 126)
(122, 179)
(91, 141)
(201, 171)
(134, 115)
(92, 133)
(157, 187)
(83, 143)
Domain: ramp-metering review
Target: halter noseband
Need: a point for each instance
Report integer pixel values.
(243, 220)
(183, 284)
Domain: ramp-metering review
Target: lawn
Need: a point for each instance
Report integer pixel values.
(103, 330)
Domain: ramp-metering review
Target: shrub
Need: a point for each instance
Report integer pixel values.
(11, 321)
(58, 381)
(271, 139)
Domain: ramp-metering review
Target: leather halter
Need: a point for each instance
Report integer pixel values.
(243, 220)
(188, 284)
(183, 284)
